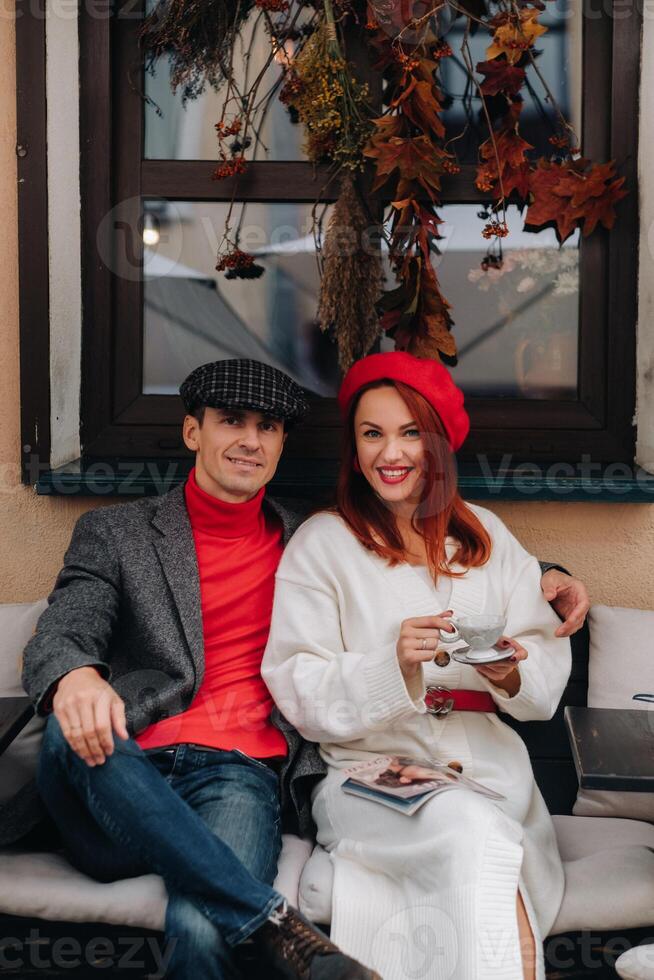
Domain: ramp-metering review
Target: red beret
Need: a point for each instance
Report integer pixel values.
(430, 378)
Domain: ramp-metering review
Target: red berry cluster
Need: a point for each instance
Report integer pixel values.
(516, 44)
(236, 259)
(496, 229)
(562, 142)
(408, 62)
(230, 168)
(272, 6)
(442, 50)
(223, 130)
(291, 88)
(485, 180)
(451, 167)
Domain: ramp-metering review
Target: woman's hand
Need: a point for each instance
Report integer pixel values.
(505, 674)
(419, 639)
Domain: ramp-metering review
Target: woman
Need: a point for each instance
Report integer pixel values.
(465, 888)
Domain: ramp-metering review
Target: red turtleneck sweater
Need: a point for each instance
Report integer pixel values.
(238, 549)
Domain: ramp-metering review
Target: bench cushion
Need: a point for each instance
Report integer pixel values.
(46, 886)
(579, 837)
(18, 762)
(618, 637)
(636, 963)
(609, 870)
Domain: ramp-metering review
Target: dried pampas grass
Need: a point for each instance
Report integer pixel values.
(351, 278)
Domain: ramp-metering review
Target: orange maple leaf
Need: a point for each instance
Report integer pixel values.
(422, 108)
(513, 39)
(547, 207)
(514, 165)
(428, 332)
(600, 208)
(386, 126)
(500, 77)
(570, 196)
(416, 159)
(417, 314)
(580, 185)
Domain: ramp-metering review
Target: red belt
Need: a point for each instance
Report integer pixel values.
(441, 700)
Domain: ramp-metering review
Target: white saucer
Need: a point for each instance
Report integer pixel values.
(461, 658)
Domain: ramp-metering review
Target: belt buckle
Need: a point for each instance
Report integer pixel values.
(438, 703)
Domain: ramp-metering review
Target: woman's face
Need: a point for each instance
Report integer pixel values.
(389, 446)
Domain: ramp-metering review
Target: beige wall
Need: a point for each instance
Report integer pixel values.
(33, 530)
(611, 546)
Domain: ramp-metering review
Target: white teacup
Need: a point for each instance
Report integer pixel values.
(480, 632)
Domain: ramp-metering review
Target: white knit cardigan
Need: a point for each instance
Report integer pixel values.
(331, 666)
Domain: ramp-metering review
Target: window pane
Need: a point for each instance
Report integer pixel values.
(559, 62)
(174, 131)
(516, 327)
(193, 314)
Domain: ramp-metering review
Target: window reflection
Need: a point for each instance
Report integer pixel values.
(177, 131)
(193, 314)
(516, 326)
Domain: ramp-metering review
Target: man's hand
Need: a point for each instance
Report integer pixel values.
(569, 599)
(89, 711)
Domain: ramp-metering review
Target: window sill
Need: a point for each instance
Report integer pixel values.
(315, 479)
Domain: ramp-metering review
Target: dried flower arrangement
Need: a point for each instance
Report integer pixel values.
(329, 101)
(351, 278)
(406, 145)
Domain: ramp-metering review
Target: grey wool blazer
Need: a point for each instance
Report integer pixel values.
(127, 602)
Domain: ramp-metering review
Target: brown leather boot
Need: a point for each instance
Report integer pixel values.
(299, 951)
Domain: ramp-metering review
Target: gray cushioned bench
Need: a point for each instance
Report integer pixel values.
(609, 862)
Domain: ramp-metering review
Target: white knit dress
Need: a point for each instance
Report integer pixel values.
(432, 896)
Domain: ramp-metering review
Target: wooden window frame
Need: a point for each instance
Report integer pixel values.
(118, 421)
(34, 292)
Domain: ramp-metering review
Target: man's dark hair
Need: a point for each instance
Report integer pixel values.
(199, 411)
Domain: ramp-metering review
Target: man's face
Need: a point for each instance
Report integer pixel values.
(236, 451)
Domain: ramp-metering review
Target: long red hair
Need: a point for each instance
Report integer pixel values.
(440, 512)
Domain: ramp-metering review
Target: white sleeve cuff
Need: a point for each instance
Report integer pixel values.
(390, 698)
(532, 702)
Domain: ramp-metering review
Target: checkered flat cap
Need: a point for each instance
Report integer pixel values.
(246, 384)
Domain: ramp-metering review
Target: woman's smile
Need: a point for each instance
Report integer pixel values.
(394, 474)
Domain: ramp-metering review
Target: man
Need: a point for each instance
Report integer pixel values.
(155, 630)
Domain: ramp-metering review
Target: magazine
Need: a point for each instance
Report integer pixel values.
(405, 784)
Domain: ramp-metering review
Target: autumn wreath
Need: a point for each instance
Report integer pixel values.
(406, 146)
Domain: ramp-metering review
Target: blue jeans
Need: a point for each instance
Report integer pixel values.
(207, 821)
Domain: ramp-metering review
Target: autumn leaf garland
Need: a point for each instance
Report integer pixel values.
(410, 161)
(406, 144)
(566, 193)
